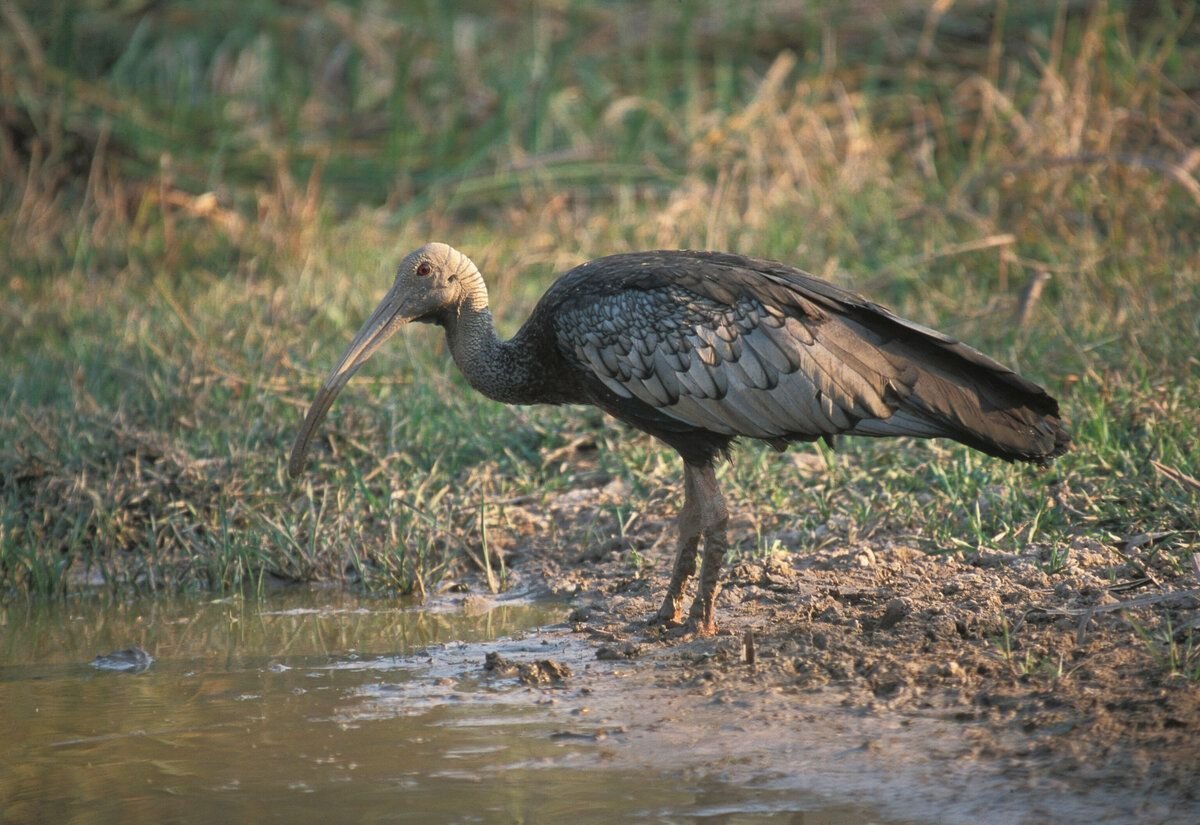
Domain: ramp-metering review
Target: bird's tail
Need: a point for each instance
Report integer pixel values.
(946, 389)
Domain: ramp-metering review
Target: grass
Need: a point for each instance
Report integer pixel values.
(1175, 654)
(200, 202)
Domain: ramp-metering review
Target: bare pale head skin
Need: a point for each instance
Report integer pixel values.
(433, 285)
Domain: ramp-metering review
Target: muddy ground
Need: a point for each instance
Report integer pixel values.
(1047, 672)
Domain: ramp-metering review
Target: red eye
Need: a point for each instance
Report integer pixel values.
(424, 268)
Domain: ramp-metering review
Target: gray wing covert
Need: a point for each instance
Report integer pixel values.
(736, 368)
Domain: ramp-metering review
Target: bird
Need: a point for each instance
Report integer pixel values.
(699, 348)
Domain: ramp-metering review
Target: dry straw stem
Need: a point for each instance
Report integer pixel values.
(1175, 171)
(25, 34)
(1029, 297)
(1179, 477)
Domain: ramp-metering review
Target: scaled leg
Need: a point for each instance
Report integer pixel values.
(690, 527)
(714, 518)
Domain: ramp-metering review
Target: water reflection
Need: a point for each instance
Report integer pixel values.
(312, 708)
(227, 630)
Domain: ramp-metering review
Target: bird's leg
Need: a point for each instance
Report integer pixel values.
(690, 527)
(714, 517)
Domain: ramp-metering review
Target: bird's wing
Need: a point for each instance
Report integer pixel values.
(742, 346)
(714, 356)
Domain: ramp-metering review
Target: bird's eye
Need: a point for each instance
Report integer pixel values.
(423, 268)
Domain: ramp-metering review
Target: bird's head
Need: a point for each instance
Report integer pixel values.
(433, 285)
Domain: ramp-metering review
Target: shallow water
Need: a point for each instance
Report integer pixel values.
(321, 707)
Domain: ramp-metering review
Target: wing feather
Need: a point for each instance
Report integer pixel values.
(655, 386)
(747, 369)
(741, 346)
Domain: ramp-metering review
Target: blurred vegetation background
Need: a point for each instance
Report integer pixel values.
(199, 202)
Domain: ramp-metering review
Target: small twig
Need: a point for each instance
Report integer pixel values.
(977, 245)
(1174, 171)
(1086, 614)
(576, 445)
(1029, 297)
(1178, 476)
(936, 11)
(25, 34)
(483, 543)
(1003, 239)
(419, 584)
(1141, 601)
(160, 286)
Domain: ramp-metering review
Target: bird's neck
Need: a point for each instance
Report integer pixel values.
(501, 370)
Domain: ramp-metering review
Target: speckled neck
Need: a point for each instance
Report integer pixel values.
(501, 370)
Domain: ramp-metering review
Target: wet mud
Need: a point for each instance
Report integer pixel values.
(976, 686)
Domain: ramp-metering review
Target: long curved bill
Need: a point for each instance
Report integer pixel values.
(384, 321)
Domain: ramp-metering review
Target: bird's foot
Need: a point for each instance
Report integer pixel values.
(702, 618)
(702, 628)
(680, 629)
(671, 612)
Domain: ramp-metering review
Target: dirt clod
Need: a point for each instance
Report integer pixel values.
(541, 672)
(625, 651)
(894, 613)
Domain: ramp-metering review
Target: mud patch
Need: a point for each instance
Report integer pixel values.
(1063, 672)
(540, 672)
